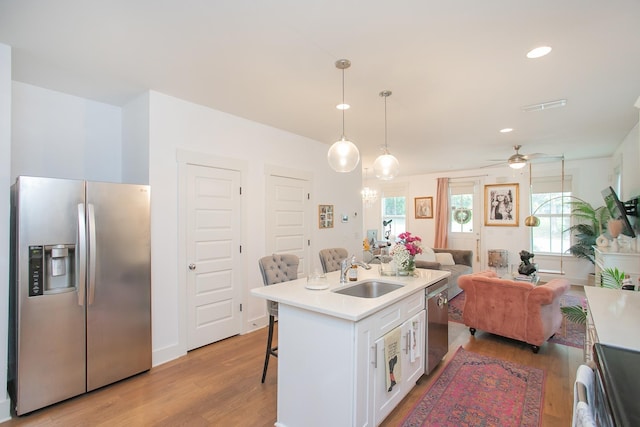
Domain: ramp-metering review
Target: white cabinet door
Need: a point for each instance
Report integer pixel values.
(386, 395)
(413, 333)
(365, 368)
(405, 368)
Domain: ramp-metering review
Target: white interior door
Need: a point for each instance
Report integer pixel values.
(213, 255)
(288, 216)
(465, 219)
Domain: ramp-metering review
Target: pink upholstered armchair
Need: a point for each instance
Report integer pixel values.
(517, 310)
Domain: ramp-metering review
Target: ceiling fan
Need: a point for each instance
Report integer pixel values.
(518, 161)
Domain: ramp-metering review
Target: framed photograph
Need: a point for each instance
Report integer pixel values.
(424, 207)
(325, 216)
(501, 205)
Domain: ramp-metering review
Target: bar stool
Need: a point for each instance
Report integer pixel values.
(331, 258)
(276, 268)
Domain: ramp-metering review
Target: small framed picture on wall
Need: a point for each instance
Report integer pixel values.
(501, 205)
(424, 207)
(325, 216)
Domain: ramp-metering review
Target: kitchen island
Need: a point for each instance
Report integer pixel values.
(332, 366)
(613, 342)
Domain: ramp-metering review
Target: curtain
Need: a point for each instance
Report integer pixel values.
(442, 214)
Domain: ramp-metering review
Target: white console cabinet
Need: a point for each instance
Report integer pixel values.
(629, 262)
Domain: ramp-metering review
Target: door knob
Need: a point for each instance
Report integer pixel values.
(192, 266)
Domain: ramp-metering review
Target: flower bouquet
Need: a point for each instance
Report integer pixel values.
(404, 252)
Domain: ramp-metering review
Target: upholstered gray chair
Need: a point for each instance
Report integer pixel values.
(331, 258)
(276, 268)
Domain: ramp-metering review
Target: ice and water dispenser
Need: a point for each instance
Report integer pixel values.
(52, 269)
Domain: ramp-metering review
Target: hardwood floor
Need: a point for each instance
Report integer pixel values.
(219, 385)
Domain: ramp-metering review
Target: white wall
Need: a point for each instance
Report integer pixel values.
(628, 156)
(64, 136)
(589, 178)
(5, 182)
(135, 141)
(179, 125)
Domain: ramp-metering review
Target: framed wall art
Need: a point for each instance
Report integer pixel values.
(423, 207)
(501, 205)
(325, 216)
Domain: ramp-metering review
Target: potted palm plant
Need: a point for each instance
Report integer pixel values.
(587, 226)
(611, 278)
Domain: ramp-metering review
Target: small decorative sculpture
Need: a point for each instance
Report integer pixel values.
(614, 226)
(526, 267)
(387, 231)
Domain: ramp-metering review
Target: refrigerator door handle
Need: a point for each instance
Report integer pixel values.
(92, 254)
(82, 255)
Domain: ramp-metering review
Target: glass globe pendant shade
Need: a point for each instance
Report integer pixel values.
(386, 167)
(343, 155)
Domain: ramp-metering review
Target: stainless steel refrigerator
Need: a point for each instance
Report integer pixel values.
(80, 293)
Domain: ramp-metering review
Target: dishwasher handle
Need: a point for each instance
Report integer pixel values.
(442, 301)
(431, 294)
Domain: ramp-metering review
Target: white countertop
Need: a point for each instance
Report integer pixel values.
(347, 307)
(616, 316)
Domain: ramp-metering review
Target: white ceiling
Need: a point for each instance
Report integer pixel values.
(457, 68)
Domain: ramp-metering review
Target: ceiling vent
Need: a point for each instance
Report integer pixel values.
(545, 105)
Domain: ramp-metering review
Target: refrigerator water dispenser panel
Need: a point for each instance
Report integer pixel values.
(35, 270)
(59, 254)
(51, 269)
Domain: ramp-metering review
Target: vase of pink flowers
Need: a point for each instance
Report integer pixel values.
(404, 252)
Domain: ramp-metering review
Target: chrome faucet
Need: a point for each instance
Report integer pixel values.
(345, 265)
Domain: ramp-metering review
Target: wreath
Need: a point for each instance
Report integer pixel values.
(462, 215)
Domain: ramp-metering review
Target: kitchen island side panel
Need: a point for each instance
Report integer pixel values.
(315, 353)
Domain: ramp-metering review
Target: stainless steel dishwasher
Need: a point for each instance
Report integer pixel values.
(437, 339)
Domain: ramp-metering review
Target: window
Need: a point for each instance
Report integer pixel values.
(394, 209)
(547, 203)
(461, 202)
(554, 218)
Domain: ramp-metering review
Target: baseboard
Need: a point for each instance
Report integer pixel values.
(5, 409)
(255, 324)
(166, 354)
(547, 277)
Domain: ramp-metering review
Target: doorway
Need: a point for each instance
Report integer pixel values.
(466, 217)
(288, 212)
(213, 254)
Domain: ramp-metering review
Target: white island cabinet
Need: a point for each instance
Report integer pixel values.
(331, 359)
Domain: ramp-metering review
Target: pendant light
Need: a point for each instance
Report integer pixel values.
(386, 166)
(369, 195)
(343, 155)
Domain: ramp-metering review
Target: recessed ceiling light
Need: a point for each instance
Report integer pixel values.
(538, 52)
(545, 105)
(506, 130)
(343, 106)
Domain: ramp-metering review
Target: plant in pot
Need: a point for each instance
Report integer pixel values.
(588, 224)
(611, 278)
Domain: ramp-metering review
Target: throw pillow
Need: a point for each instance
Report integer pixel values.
(427, 255)
(445, 258)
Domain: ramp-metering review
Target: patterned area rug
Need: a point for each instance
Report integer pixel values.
(570, 333)
(477, 390)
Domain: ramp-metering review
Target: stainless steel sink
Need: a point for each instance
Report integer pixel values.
(368, 289)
